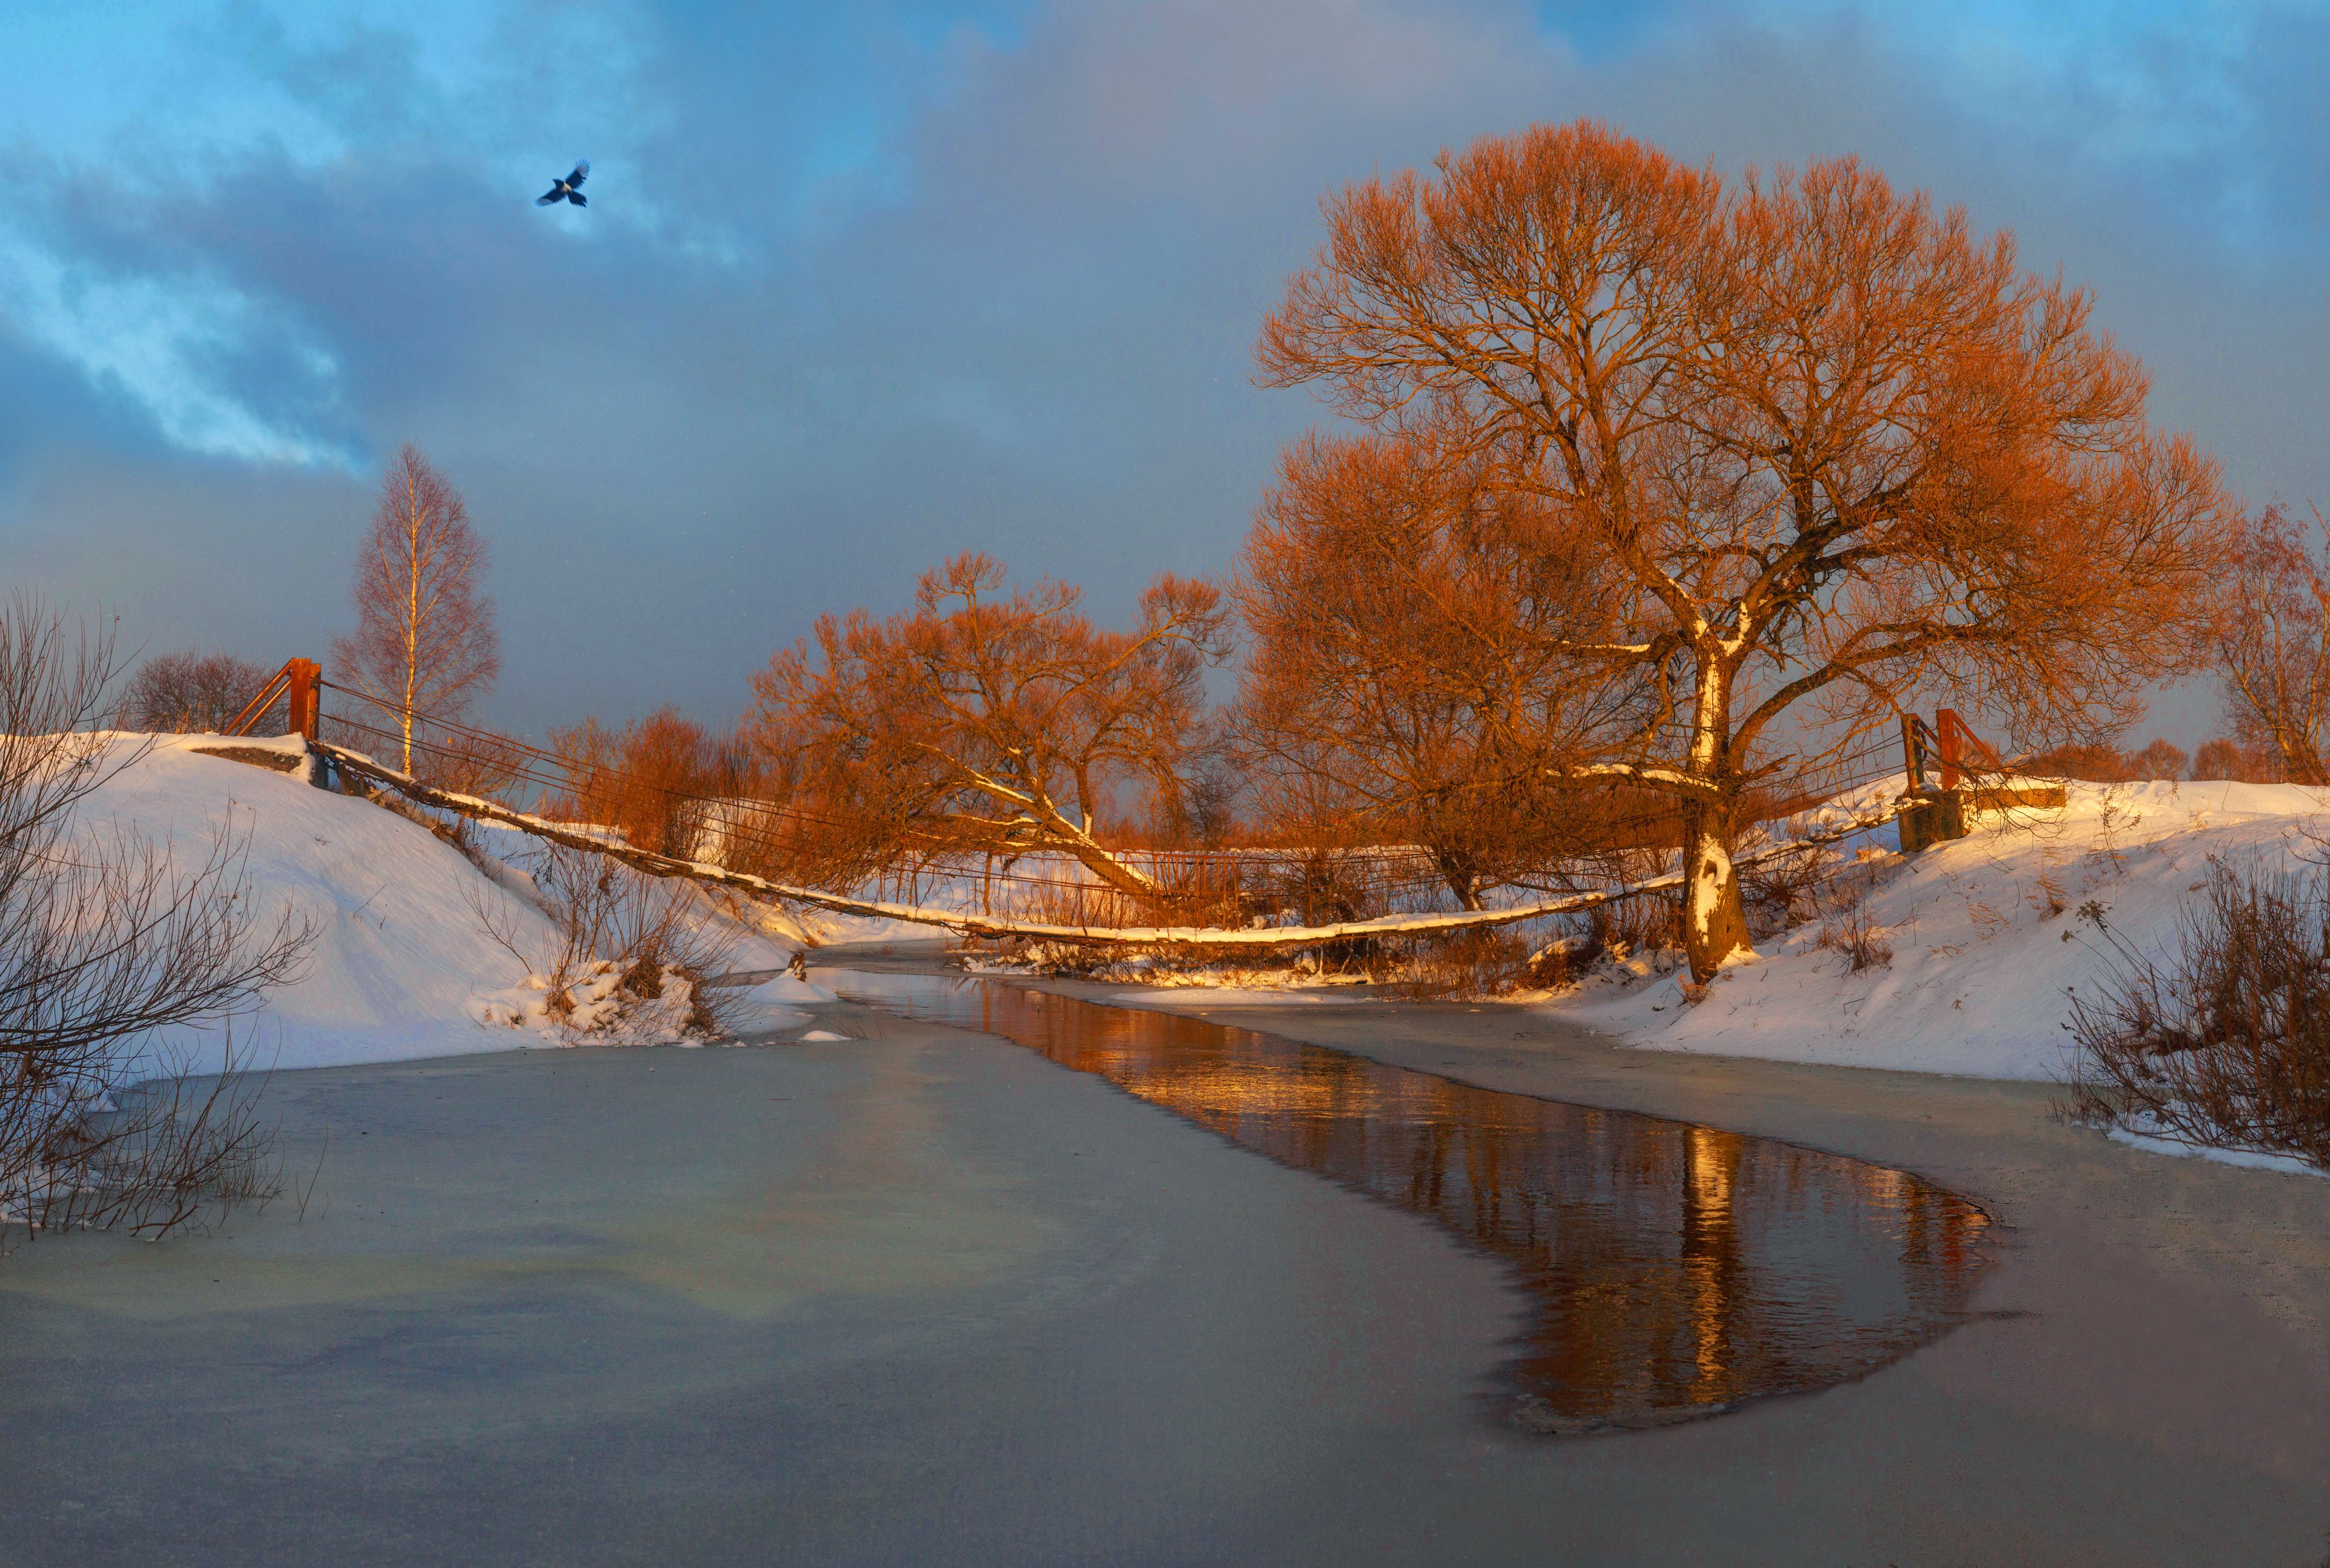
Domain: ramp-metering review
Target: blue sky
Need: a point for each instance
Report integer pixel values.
(861, 287)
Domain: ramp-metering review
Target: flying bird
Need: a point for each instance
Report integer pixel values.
(567, 187)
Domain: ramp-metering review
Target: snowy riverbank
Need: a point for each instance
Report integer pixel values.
(1988, 936)
(1985, 938)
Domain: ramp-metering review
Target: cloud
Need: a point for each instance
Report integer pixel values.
(860, 287)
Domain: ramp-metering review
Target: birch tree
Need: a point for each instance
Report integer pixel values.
(425, 643)
(1841, 450)
(982, 722)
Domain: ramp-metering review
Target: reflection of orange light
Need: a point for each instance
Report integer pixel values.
(1711, 1168)
(1889, 1186)
(1711, 1155)
(1572, 1196)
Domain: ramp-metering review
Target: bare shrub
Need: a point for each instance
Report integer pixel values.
(2229, 1044)
(629, 953)
(1560, 963)
(1462, 963)
(469, 761)
(2227, 759)
(189, 693)
(2094, 763)
(1322, 887)
(106, 937)
(1191, 890)
(2160, 760)
(2098, 763)
(1649, 923)
(1188, 891)
(1784, 892)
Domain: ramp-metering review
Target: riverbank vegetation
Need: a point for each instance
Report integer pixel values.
(109, 938)
(2224, 1039)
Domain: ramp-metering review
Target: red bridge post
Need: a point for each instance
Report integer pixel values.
(306, 698)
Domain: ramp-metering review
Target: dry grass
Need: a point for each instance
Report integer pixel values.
(1847, 926)
(619, 936)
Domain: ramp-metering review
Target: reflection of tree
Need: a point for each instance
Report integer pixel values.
(1672, 1265)
(1711, 1257)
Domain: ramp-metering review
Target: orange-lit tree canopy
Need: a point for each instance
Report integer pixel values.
(981, 722)
(1840, 451)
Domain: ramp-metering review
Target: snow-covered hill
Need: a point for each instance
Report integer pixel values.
(402, 965)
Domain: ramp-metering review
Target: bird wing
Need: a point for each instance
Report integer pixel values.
(582, 172)
(550, 197)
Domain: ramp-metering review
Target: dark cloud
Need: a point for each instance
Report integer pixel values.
(853, 297)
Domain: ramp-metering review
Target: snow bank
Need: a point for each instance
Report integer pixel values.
(402, 966)
(1989, 935)
(2250, 1159)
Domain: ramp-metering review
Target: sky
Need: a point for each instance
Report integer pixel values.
(862, 287)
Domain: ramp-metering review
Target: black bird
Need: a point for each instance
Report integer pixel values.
(567, 187)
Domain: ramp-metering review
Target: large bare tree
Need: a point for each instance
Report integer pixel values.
(982, 722)
(1841, 450)
(425, 644)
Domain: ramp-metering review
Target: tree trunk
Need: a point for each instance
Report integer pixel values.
(2299, 762)
(1461, 876)
(1714, 918)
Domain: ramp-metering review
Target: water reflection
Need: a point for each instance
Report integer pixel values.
(1676, 1270)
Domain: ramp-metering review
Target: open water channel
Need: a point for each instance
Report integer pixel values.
(1675, 1270)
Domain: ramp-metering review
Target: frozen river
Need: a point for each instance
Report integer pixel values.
(922, 1297)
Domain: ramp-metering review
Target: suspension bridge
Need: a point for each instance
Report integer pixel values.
(1927, 814)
